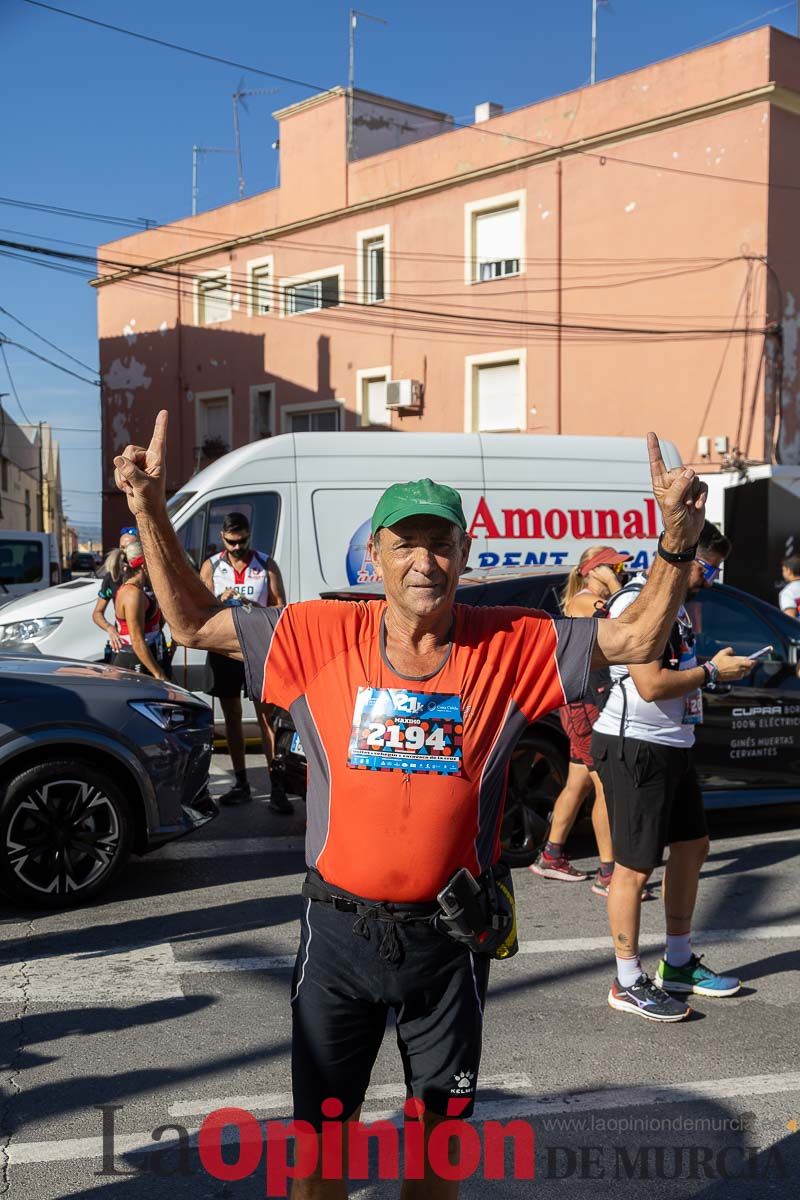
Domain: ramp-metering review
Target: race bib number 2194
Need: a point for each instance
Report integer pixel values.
(396, 730)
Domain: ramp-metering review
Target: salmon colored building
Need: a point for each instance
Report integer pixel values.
(614, 259)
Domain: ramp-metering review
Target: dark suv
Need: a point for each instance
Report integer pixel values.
(95, 763)
(748, 747)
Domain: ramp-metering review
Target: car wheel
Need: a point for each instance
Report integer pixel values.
(65, 831)
(537, 774)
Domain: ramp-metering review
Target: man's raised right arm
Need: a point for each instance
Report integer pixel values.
(194, 614)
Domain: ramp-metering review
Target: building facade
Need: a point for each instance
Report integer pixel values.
(611, 260)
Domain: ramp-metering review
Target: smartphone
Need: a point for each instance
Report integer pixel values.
(762, 653)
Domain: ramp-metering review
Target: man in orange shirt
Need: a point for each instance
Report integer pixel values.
(408, 710)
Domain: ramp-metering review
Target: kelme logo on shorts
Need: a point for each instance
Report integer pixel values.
(465, 1082)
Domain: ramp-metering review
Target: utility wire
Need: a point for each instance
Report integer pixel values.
(41, 338)
(481, 129)
(25, 416)
(476, 320)
(6, 341)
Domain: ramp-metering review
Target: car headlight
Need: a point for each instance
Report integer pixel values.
(36, 629)
(164, 714)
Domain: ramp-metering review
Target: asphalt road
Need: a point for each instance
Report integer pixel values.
(169, 998)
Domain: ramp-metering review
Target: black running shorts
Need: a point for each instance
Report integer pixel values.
(227, 675)
(653, 798)
(342, 992)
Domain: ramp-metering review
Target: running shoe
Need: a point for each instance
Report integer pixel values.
(695, 978)
(557, 868)
(600, 885)
(646, 999)
(239, 794)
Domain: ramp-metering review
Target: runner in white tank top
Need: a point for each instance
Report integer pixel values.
(240, 575)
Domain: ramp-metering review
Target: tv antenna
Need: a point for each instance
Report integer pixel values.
(197, 154)
(239, 98)
(595, 4)
(355, 13)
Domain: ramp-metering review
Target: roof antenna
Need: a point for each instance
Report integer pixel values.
(355, 13)
(239, 98)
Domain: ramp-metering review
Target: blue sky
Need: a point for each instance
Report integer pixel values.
(105, 124)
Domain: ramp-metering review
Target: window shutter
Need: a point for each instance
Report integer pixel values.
(499, 397)
(498, 242)
(377, 412)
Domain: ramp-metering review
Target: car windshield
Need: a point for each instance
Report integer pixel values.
(177, 502)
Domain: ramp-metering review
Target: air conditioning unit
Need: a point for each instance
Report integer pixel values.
(404, 393)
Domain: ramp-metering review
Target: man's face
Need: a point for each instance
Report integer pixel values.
(701, 569)
(237, 542)
(419, 561)
(125, 540)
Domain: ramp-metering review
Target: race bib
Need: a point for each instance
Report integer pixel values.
(693, 708)
(396, 730)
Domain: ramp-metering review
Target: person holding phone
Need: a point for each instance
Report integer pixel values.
(642, 747)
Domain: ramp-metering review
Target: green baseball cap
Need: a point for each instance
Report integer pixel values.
(419, 497)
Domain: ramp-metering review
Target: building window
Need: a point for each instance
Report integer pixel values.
(373, 265)
(309, 293)
(495, 238)
(262, 400)
(213, 424)
(213, 298)
(495, 392)
(4, 475)
(259, 286)
(319, 416)
(27, 509)
(371, 392)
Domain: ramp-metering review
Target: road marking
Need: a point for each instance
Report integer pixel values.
(142, 974)
(514, 1081)
(530, 1105)
(154, 973)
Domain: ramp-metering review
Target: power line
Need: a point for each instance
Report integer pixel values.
(6, 341)
(41, 338)
(143, 37)
(481, 129)
(365, 311)
(13, 385)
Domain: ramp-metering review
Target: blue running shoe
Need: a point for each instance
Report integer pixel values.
(695, 979)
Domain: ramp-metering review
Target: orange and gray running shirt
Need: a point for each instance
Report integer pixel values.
(407, 777)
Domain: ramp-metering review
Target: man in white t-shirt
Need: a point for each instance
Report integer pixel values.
(789, 598)
(642, 745)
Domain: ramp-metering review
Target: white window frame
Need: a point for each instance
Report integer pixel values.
(199, 400)
(472, 364)
(333, 405)
(363, 237)
(363, 377)
(256, 391)
(253, 265)
(308, 277)
(222, 274)
(477, 208)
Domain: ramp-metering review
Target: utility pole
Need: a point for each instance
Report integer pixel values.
(355, 13)
(593, 70)
(41, 481)
(197, 151)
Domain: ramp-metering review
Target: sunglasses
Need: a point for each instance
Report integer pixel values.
(709, 573)
(619, 568)
(235, 543)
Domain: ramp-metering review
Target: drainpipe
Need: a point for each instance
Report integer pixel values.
(559, 292)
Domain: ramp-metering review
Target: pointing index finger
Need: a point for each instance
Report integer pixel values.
(159, 433)
(657, 465)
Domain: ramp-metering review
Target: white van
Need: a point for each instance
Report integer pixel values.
(28, 563)
(309, 498)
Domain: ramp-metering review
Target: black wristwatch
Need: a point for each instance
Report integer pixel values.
(683, 556)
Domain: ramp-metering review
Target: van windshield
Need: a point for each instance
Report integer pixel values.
(20, 561)
(177, 502)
